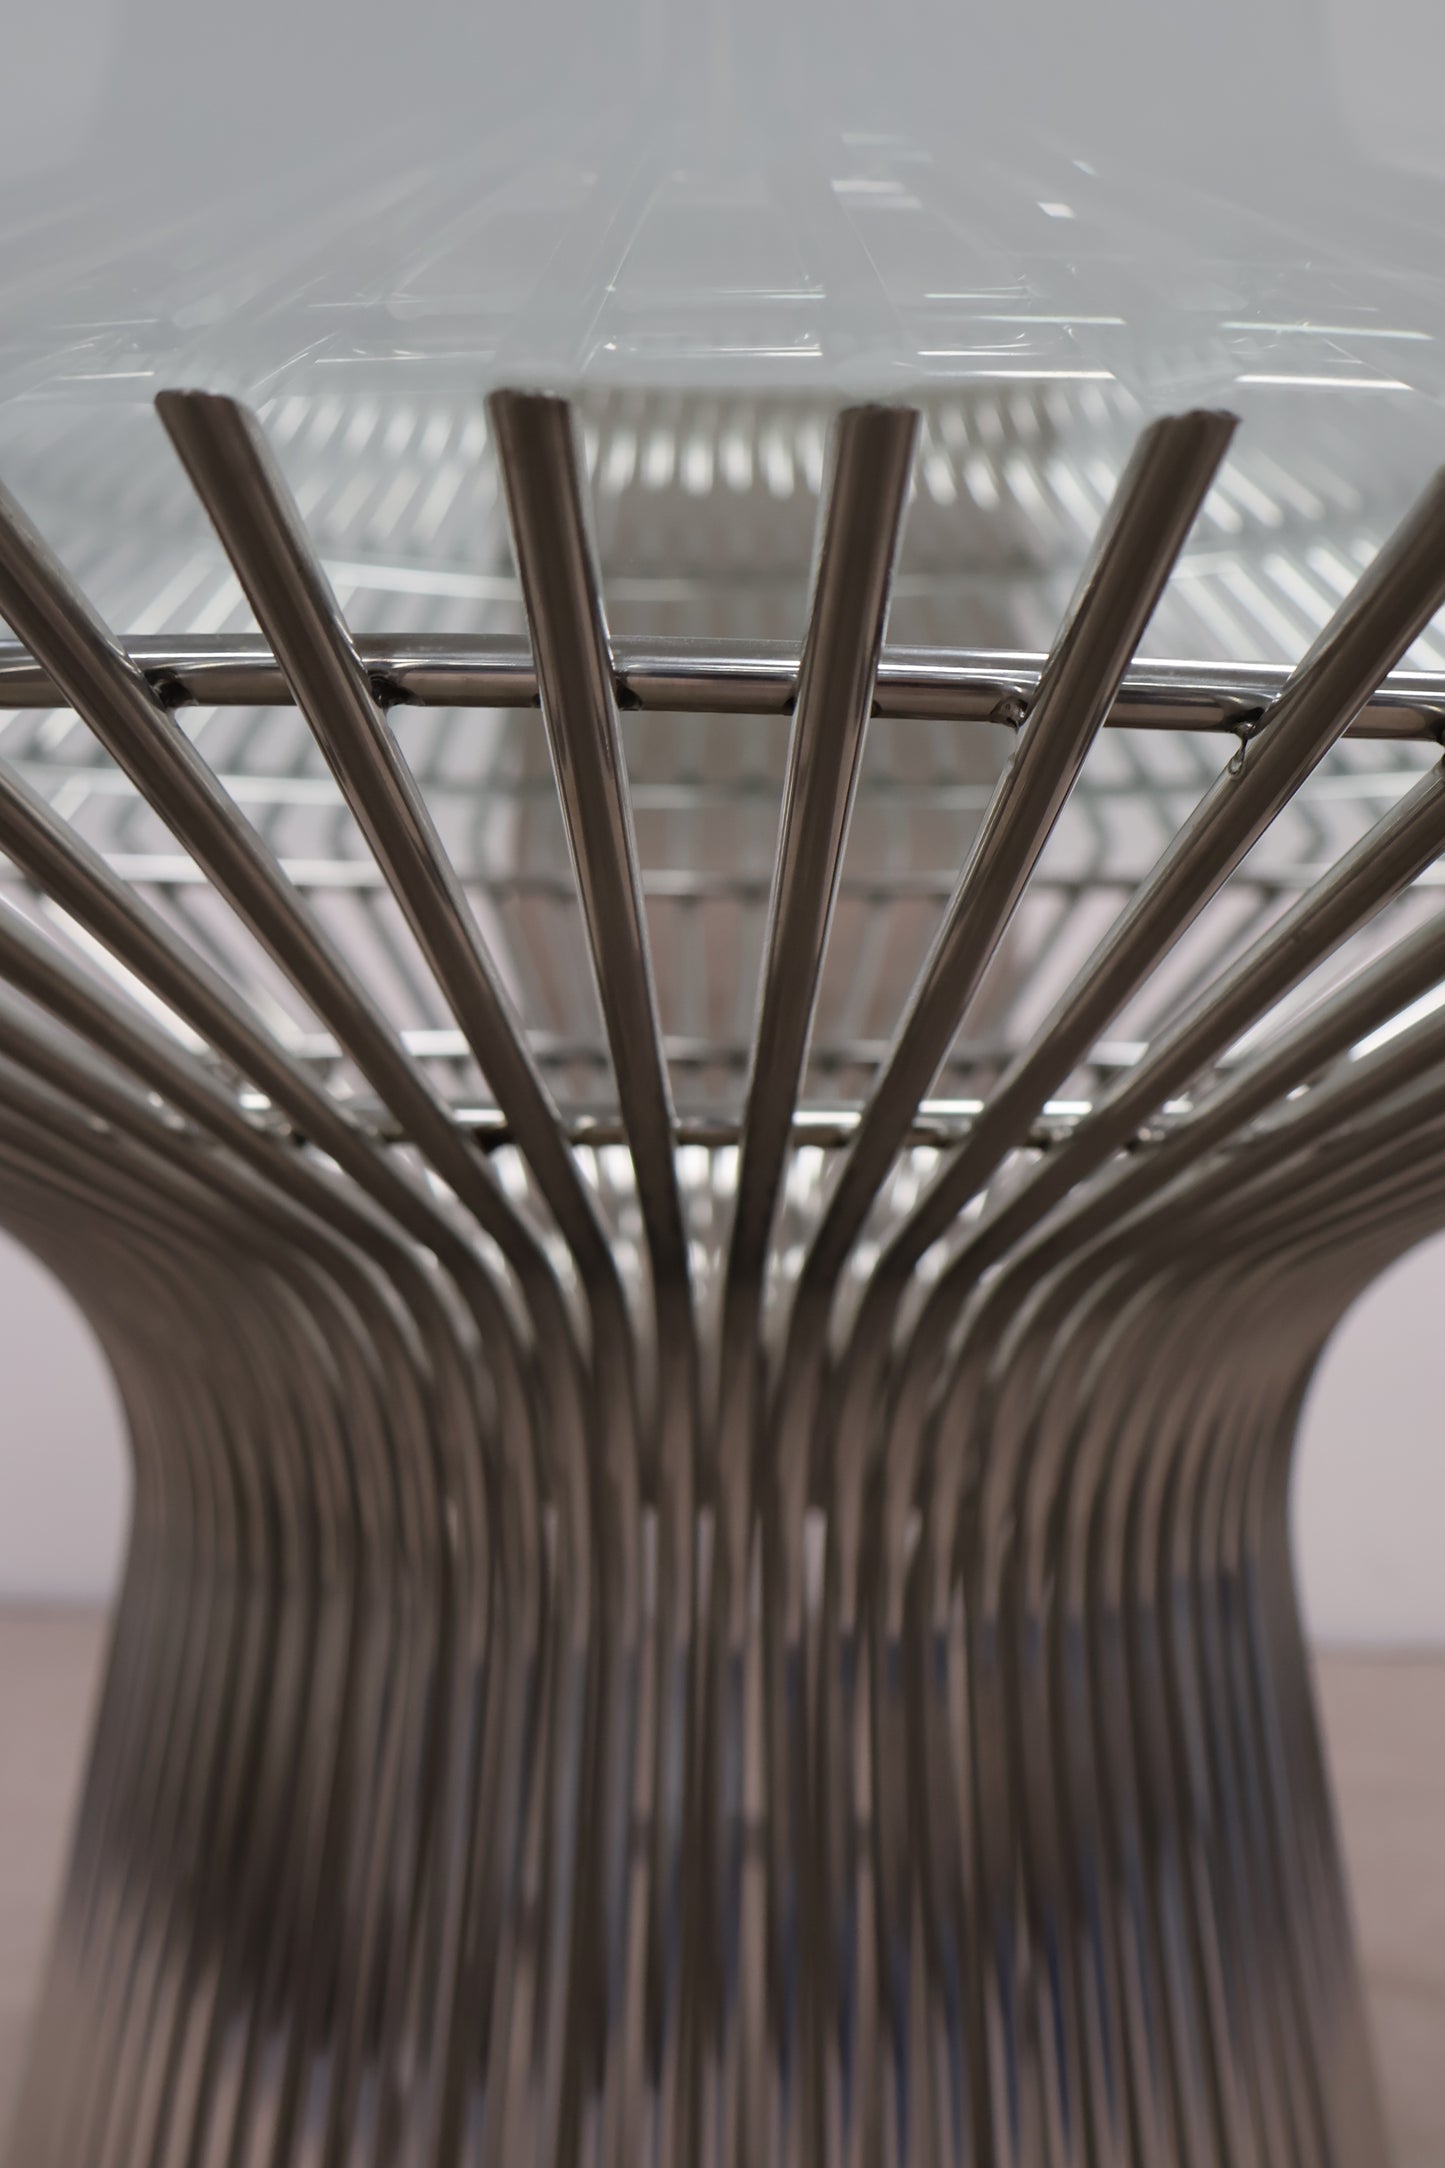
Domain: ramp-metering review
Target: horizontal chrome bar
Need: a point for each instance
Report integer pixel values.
(940, 1124)
(681, 885)
(677, 676)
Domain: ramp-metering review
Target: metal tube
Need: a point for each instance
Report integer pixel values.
(545, 503)
(694, 677)
(1154, 507)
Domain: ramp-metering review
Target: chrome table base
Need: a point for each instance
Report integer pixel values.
(779, 1647)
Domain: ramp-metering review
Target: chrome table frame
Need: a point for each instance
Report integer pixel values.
(682, 1661)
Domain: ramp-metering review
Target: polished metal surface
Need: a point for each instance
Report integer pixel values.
(694, 677)
(711, 1402)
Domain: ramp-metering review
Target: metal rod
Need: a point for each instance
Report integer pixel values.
(546, 507)
(1156, 503)
(715, 677)
(533, 438)
(236, 479)
(1377, 622)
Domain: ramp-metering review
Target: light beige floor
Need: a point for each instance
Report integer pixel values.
(1384, 1718)
(1385, 1727)
(49, 1676)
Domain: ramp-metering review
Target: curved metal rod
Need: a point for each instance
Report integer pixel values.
(74, 875)
(1377, 623)
(1148, 522)
(1313, 712)
(1371, 875)
(1153, 509)
(233, 473)
(65, 633)
(148, 1183)
(544, 491)
(1087, 1280)
(1389, 606)
(139, 733)
(860, 523)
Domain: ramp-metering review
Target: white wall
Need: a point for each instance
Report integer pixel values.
(1369, 1500)
(64, 1479)
(1369, 1505)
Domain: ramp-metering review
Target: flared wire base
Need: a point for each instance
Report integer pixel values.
(712, 1284)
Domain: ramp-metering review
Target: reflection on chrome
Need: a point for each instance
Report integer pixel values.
(712, 1286)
